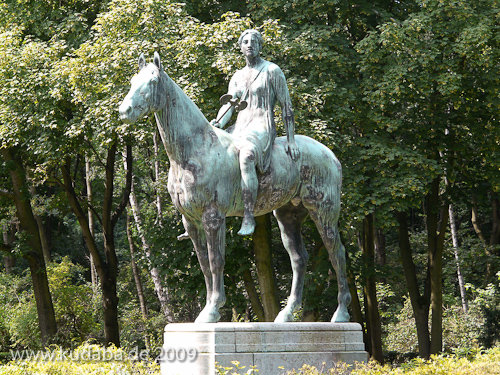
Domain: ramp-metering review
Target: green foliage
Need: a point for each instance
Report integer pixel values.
(461, 331)
(221, 370)
(425, 95)
(482, 363)
(135, 330)
(23, 324)
(18, 319)
(74, 303)
(86, 359)
(488, 301)
(49, 20)
(403, 92)
(91, 359)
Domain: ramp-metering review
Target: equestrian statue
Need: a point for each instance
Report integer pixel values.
(246, 171)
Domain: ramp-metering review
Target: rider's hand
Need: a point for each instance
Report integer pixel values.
(293, 150)
(215, 123)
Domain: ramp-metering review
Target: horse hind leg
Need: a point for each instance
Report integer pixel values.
(290, 219)
(331, 239)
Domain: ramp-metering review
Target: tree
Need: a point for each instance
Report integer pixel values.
(32, 115)
(425, 98)
(33, 251)
(107, 266)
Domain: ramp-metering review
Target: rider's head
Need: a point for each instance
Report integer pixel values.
(252, 32)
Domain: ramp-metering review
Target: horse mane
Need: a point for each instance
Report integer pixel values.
(180, 122)
(179, 105)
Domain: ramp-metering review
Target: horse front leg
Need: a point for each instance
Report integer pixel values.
(197, 235)
(214, 224)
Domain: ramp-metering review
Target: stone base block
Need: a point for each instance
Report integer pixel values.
(273, 348)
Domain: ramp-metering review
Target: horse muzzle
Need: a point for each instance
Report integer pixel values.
(129, 113)
(126, 114)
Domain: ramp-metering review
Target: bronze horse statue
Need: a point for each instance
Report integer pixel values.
(204, 183)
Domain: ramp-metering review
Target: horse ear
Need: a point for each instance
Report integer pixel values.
(157, 61)
(142, 61)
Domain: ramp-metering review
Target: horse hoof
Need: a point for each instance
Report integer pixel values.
(247, 227)
(284, 317)
(208, 317)
(340, 317)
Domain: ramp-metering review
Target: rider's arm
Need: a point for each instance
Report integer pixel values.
(222, 119)
(283, 96)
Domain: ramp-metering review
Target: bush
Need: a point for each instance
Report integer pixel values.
(86, 359)
(402, 335)
(488, 300)
(480, 364)
(461, 331)
(94, 359)
(23, 325)
(18, 314)
(73, 301)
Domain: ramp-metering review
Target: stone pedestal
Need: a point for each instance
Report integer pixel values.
(274, 348)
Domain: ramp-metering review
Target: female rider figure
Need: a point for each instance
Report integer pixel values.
(260, 83)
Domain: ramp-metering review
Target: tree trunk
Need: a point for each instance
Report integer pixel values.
(109, 220)
(159, 207)
(435, 243)
(264, 263)
(107, 267)
(475, 222)
(374, 327)
(137, 278)
(380, 254)
(136, 272)
(454, 238)
(357, 312)
(109, 298)
(161, 291)
(420, 303)
(309, 315)
(155, 274)
(495, 228)
(88, 182)
(41, 228)
(44, 239)
(43, 299)
(253, 295)
(9, 263)
(110, 307)
(8, 239)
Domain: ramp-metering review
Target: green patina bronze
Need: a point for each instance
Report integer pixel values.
(292, 176)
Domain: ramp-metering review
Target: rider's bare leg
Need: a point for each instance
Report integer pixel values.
(249, 186)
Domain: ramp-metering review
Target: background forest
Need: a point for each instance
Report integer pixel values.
(406, 93)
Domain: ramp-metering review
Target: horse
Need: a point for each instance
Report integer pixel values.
(204, 182)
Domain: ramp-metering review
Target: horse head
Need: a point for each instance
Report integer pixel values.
(147, 92)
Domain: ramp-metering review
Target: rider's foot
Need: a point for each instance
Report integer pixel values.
(248, 226)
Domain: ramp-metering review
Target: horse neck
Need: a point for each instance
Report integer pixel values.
(183, 128)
